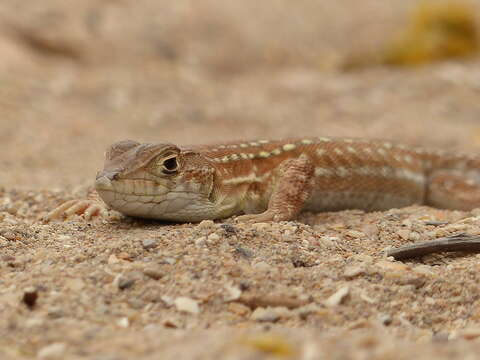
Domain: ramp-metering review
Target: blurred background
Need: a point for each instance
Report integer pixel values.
(76, 76)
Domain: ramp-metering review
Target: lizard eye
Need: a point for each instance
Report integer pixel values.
(170, 165)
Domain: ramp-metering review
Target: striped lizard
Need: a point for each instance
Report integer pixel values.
(274, 180)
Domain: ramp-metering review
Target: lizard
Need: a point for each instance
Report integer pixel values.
(274, 180)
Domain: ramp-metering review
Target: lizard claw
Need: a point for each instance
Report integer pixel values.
(86, 207)
(256, 218)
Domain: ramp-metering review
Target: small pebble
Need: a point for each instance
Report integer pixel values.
(75, 284)
(262, 266)
(34, 322)
(261, 226)
(201, 241)
(171, 324)
(233, 292)
(404, 233)
(338, 297)
(441, 337)
(423, 270)
(125, 282)
(302, 262)
(414, 236)
(355, 234)
(10, 221)
(9, 235)
(124, 256)
(265, 315)
(187, 304)
(245, 252)
(206, 224)
(367, 298)
(123, 322)
(55, 312)
(429, 300)
(168, 260)
(304, 311)
(7, 258)
(112, 259)
(153, 272)
(238, 309)
(328, 241)
(363, 258)
(149, 244)
(52, 351)
(213, 238)
(385, 319)
(390, 266)
(353, 271)
(168, 300)
(136, 303)
(64, 238)
(269, 314)
(469, 333)
(30, 296)
(229, 229)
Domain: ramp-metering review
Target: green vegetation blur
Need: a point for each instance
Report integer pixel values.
(437, 30)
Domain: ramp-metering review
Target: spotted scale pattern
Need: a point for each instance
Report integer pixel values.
(349, 173)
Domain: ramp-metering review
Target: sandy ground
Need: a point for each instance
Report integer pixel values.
(76, 76)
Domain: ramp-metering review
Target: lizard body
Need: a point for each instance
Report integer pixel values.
(275, 180)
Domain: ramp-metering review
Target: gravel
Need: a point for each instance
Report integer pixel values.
(81, 75)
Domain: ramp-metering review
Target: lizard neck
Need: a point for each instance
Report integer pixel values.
(243, 186)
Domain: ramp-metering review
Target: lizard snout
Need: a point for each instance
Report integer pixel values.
(104, 179)
(110, 175)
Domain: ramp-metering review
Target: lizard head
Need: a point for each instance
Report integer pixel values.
(157, 181)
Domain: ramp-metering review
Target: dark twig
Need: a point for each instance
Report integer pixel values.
(459, 242)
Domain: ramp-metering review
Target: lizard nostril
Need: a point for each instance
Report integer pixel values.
(110, 175)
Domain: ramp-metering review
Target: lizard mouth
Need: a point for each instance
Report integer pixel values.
(135, 197)
(130, 187)
(103, 183)
(144, 198)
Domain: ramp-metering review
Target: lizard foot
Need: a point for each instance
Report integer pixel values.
(86, 207)
(262, 217)
(294, 188)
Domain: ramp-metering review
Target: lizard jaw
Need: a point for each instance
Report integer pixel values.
(143, 198)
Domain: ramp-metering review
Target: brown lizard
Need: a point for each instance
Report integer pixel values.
(274, 180)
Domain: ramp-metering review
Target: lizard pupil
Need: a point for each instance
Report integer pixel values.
(170, 165)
